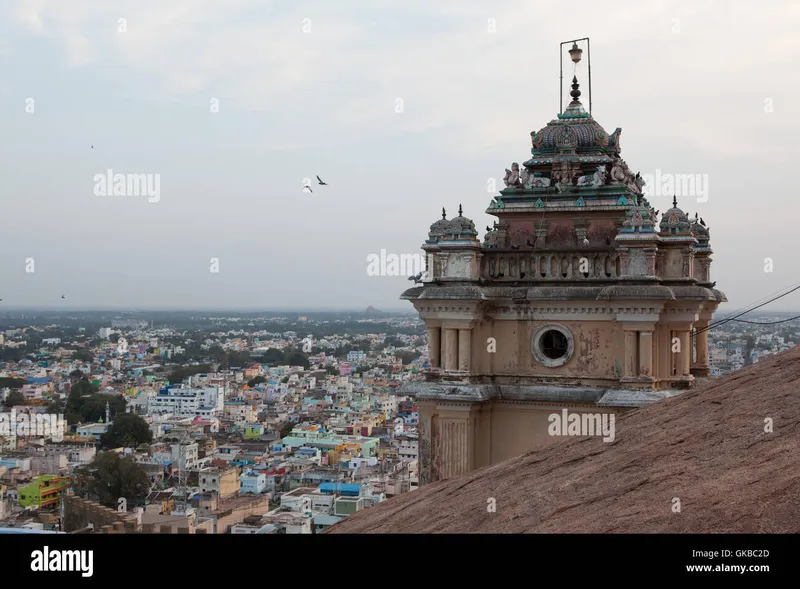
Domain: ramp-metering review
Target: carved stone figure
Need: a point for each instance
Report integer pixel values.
(525, 177)
(536, 140)
(636, 183)
(511, 178)
(613, 139)
(619, 173)
(594, 180)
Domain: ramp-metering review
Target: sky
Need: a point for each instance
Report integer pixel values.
(402, 107)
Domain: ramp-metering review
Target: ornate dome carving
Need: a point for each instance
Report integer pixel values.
(574, 128)
(675, 221)
(458, 228)
(439, 228)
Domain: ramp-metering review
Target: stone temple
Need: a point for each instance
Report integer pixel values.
(577, 299)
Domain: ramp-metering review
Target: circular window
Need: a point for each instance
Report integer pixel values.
(552, 345)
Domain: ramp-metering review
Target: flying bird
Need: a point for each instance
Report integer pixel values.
(92, 146)
(585, 242)
(63, 297)
(309, 188)
(321, 182)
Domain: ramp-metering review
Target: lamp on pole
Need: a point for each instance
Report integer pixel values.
(575, 55)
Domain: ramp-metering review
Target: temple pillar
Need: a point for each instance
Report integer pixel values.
(685, 353)
(434, 346)
(701, 365)
(464, 336)
(451, 349)
(646, 353)
(630, 353)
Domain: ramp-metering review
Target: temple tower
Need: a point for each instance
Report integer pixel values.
(576, 299)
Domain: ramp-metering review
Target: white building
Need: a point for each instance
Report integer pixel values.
(188, 402)
(408, 449)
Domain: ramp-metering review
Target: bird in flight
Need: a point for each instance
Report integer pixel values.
(321, 182)
(63, 297)
(92, 146)
(308, 187)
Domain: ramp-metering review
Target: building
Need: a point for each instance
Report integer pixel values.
(577, 297)
(252, 482)
(224, 482)
(44, 491)
(204, 402)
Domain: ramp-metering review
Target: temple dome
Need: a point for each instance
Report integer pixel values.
(439, 228)
(458, 228)
(675, 221)
(575, 128)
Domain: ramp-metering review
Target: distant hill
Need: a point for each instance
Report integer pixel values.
(715, 449)
(373, 312)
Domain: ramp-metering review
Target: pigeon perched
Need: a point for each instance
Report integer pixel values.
(321, 182)
(585, 242)
(514, 247)
(417, 279)
(488, 228)
(529, 243)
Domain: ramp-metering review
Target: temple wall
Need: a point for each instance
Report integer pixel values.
(598, 354)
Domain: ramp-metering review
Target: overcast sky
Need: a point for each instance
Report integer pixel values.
(306, 88)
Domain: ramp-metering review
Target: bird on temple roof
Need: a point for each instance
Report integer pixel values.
(703, 223)
(416, 278)
(529, 243)
(514, 247)
(488, 228)
(585, 242)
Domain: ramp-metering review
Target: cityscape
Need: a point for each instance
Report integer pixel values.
(232, 422)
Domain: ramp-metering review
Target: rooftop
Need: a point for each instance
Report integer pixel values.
(710, 449)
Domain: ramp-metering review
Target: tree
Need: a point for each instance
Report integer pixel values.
(127, 430)
(76, 375)
(287, 429)
(256, 381)
(296, 358)
(82, 355)
(11, 383)
(15, 398)
(332, 370)
(79, 390)
(110, 476)
(93, 407)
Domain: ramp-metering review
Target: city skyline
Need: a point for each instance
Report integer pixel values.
(402, 110)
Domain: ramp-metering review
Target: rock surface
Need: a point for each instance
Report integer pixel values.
(706, 448)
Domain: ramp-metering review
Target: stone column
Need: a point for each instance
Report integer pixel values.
(701, 365)
(630, 353)
(450, 349)
(464, 336)
(685, 354)
(646, 353)
(434, 346)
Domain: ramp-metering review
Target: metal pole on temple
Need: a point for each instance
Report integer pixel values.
(575, 55)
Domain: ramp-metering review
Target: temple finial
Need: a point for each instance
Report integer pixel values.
(575, 92)
(444, 214)
(459, 210)
(674, 201)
